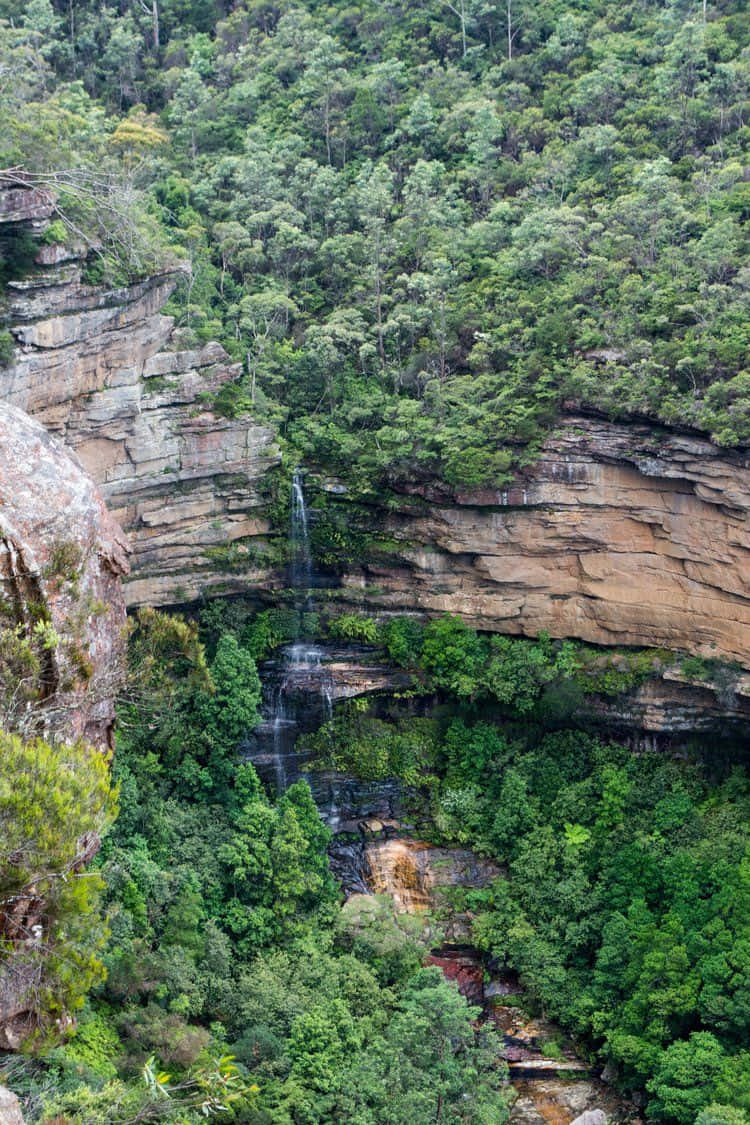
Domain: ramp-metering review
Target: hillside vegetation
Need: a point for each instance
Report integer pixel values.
(423, 226)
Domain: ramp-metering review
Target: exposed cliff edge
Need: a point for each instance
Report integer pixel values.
(619, 534)
(94, 365)
(62, 558)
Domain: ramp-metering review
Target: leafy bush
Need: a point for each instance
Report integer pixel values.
(354, 627)
(7, 347)
(55, 802)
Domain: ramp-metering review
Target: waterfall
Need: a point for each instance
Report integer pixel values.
(299, 541)
(304, 685)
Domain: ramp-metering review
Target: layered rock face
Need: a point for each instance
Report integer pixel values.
(619, 535)
(675, 705)
(91, 365)
(62, 558)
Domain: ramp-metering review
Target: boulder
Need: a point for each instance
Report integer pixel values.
(62, 559)
(591, 1117)
(10, 1108)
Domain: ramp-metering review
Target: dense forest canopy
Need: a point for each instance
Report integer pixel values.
(422, 226)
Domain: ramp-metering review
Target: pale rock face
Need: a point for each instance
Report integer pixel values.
(95, 366)
(620, 534)
(62, 556)
(591, 1117)
(10, 1108)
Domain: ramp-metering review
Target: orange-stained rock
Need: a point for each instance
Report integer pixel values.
(415, 873)
(620, 534)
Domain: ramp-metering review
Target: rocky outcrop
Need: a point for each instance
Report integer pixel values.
(187, 485)
(416, 875)
(463, 967)
(99, 368)
(62, 558)
(619, 534)
(675, 706)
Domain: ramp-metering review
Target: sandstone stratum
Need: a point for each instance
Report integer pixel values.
(619, 534)
(101, 370)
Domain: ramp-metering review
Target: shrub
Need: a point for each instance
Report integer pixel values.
(55, 802)
(354, 627)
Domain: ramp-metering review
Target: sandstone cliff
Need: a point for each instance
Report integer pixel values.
(96, 366)
(62, 557)
(619, 534)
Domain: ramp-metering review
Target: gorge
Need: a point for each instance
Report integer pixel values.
(374, 562)
(616, 533)
(619, 535)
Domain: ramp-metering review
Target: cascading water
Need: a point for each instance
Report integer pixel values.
(302, 680)
(299, 539)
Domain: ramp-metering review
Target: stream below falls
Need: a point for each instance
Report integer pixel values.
(375, 850)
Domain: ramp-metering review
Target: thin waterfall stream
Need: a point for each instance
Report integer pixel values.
(302, 683)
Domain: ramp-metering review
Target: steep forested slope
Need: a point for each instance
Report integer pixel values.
(424, 225)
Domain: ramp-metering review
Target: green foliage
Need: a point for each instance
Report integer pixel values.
(402, 638)
(421, 230)
(7, 348)
(392, 944)
(55, 233)
(357, 742)
(433, 1065)
(721, 1115)
(621, 876)
(95, 1045)
(55, 800)
(226, 934)
(354, 627)
(231, 709)
(453, 656)
(515, 673)
(685, 1078)
(420, 233)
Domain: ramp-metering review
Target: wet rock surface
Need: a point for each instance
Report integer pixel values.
(552, 1088)
(300, 686)
(420, 876)
(563, 1101)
